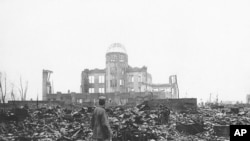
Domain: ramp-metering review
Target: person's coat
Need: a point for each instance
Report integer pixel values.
(100, 124)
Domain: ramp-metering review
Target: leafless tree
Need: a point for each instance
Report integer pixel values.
(12, 93)
(23, 90)
(3, 87)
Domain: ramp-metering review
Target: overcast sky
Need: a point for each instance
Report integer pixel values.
(206, 43)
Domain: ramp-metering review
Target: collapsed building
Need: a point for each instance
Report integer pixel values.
(118, 81)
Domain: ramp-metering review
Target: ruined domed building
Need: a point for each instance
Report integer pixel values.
(119, 77)
(118, 81)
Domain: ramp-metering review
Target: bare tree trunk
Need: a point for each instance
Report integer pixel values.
(13, 96)
(23, 91)
(3, 92)
(5, 89)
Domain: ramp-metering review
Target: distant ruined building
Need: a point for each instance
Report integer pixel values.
(248, 99)
(120, 82)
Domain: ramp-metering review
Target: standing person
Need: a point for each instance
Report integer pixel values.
(166, 114)
(160, 114)
(100, 124)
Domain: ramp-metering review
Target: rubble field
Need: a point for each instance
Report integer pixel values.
(56, 123)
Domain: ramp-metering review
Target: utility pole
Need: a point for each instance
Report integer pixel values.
(146, 80)
(210, 98)
(37, 101)
(217, 98)
(176, 86)
(52, 89)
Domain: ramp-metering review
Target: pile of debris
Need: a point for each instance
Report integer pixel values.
(137, 123)
(47, 124)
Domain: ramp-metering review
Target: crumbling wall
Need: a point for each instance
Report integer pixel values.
(46, 84)
(178, 105)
